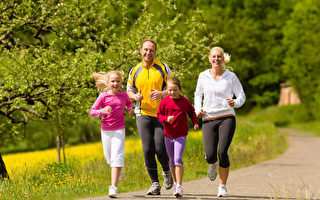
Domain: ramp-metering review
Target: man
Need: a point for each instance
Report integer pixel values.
(147, 85)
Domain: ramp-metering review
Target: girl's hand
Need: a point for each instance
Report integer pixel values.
(170, 119)
(108, 109)
(230, 102)
(130, 111)
(201, 113)
(195, 127)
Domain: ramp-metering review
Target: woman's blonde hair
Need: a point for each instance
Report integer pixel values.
(102, 79)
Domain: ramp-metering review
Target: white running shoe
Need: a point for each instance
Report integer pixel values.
(113, 191)
(174, 189)
(222, 190)
(167, 179)
(154, 189)
(212, 171)
(179, 191)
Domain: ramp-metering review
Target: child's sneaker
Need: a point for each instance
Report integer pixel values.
(174, 189)
(113, 191)
(212, 171)
(222, 190)
(179, 191)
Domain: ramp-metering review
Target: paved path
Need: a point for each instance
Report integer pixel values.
(293, 175)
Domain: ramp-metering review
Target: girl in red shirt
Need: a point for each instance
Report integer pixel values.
(172, 112)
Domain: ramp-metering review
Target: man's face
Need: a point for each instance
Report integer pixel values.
(148, 51)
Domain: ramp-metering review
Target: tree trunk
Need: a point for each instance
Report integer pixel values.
(63, 146)
(3, 170)
(62, 140)
(58, 148)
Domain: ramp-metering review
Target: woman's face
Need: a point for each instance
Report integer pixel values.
(216, 58)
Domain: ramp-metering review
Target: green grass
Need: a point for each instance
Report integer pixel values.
(291, 116)
(252, 143)
(312, 127)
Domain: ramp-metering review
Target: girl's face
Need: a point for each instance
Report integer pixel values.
(173, 90)
(114, 83)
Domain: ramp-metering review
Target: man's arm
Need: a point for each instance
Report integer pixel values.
(132, 95)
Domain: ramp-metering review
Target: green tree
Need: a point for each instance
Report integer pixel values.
(49, 49)
(302, 62)
(253, 34)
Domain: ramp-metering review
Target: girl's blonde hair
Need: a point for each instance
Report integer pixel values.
(102, 79)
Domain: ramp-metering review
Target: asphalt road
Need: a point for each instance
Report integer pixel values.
(293, 175)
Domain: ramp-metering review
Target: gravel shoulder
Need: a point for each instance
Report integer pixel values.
(293, 175)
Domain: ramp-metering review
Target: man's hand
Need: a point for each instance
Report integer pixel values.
(155, 94)
(138, 96)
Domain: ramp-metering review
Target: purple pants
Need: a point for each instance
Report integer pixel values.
(175, 148)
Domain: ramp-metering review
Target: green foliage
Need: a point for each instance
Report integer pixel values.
(310, 127)
(302, 62)
(281, 115)
(50, 49)
(252, 32)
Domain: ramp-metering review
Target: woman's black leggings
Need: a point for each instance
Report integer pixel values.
(217, 137)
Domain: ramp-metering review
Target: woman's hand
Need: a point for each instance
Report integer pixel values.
(230, 102)
(201, 113)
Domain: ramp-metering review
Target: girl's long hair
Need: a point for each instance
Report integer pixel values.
(102, 79)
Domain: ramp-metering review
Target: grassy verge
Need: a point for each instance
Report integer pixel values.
(312, 127)
(290, 116)
(252, 143)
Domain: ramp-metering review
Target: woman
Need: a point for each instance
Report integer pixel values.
(218, 86)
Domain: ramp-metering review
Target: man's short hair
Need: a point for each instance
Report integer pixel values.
(149, 40)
